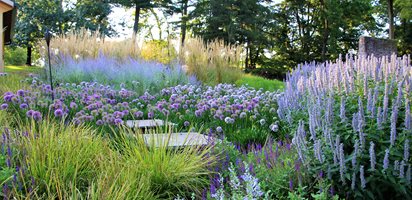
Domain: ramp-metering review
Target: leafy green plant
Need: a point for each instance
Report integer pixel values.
(15, 56)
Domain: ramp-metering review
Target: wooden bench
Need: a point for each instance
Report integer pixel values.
(176, 139)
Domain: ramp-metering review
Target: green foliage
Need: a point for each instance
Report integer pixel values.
(14, 56)
(63, 160)
(170, 171)
(159, 51)
(260, 83)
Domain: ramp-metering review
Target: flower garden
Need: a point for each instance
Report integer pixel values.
(338, 130)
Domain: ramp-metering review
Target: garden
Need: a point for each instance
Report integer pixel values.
(335, 128)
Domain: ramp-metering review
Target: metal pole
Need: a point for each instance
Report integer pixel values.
(48, 38)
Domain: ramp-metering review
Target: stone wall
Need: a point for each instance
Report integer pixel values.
(376, 46)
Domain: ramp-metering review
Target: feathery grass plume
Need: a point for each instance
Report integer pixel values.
(212, 62)
(83, 44)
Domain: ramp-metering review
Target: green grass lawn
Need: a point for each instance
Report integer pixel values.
(23, 70)
(260, 82)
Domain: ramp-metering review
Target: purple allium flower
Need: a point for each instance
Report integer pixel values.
(274, 127)
(138, 114)
(186, 123)
(4, 106)
(24, 106)
(150, 115)
(29, 113)
(118, 121)
(362, 177)
(229, 120)
(99, 122)
(58, 113)
(73, 105)
(37, 116)
(372, 156)
(386, 160)
(219, 129)
(20, 93)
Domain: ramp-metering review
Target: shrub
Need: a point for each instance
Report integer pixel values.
(15, 56)
(158, 51)
(352, 122)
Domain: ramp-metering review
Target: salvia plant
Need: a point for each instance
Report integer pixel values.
(352, 119)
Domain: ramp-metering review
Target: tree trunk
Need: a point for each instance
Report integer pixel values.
(391, 22)
(325, 32)
(29, 52)
(184, 21)
(136, 20)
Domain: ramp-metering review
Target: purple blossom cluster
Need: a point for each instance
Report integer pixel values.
(362, 102)
(219, 107)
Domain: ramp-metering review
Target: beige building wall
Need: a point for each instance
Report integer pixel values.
(5, 5)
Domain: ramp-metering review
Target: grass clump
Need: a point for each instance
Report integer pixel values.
(212, 63)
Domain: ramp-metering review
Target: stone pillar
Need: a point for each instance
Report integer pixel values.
(376, 46)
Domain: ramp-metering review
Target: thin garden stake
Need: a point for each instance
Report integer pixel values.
(48, 36)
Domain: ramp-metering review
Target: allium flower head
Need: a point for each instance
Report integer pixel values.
(219, 129)
(58, 113)
(4, 106)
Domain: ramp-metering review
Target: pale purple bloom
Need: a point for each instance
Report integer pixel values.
(342, 114)
(99, 122)
(406, 150)
(402, 169)
(362, 177)
(219, 129)
(353, 181)
(394, 118)
(386, 160)
(342, 168)
(372, 156)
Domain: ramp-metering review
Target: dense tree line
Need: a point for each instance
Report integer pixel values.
(277, 35)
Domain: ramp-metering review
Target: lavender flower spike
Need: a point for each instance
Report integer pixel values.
(406, 150)
(342, 167)
(362, 177)
(386, 160)
(372, 156)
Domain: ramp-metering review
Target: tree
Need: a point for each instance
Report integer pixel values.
(35, 16)
(138, 5)
(92, 15)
